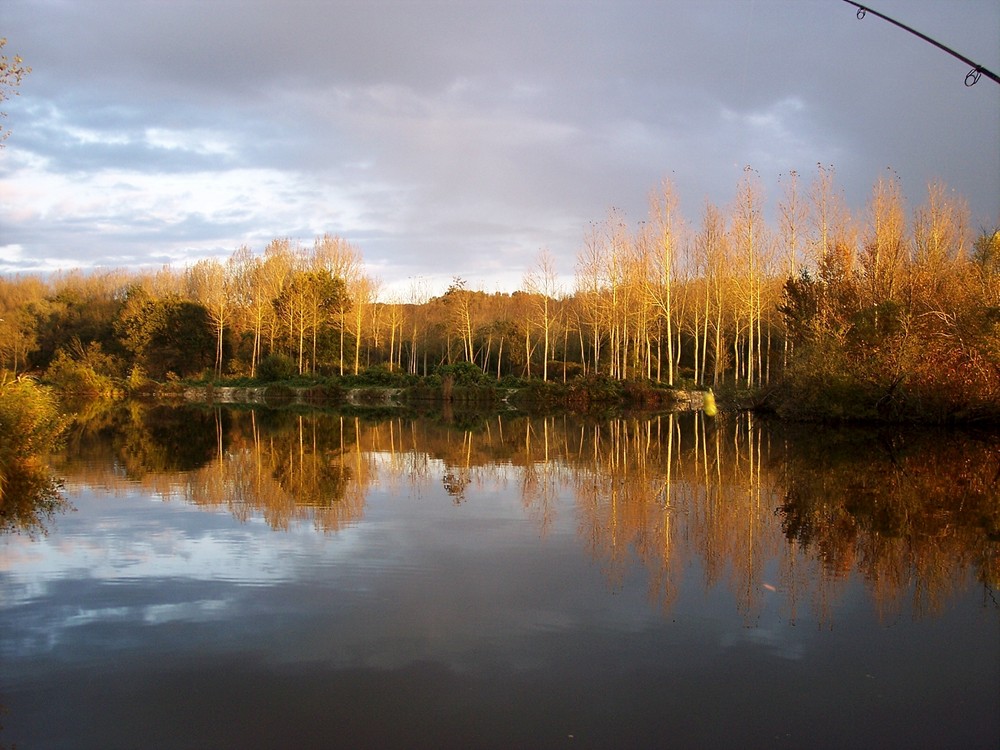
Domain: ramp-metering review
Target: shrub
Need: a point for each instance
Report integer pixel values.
(573, 370)
(30, 424)
(816, 390)
(464, 374)
(379, 375)
(594, 389)
(29, 419)
(276, 367)
(512, 381)
(71, 376)
(138, 383)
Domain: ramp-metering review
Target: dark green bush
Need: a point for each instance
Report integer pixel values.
(464, 374)
(512, 381)
(276, 367)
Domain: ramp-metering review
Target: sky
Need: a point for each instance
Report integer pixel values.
(461, 139)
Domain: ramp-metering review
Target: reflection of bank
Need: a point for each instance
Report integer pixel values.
(918, 510)
(30, 425)
(304, 468)
(31, 496)
(753, 506)
(281, 466)
(671, 490)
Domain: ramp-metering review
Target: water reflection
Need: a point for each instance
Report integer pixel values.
(30, 425)
(31, 497)
(921, 507)
(761, 508)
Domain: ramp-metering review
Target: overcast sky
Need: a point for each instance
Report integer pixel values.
(460, 138)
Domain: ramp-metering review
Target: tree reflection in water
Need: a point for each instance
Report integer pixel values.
(281, 466)
(760, 507)
(31, 498)
(920, 507)
(30, 425)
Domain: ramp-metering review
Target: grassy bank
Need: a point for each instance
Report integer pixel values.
(817, 387)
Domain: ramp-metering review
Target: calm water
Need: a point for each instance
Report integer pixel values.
(265, 579)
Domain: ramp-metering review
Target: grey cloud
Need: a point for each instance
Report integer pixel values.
(448, 134)
(73, 155)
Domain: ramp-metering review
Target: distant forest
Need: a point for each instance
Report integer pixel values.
(888, 311)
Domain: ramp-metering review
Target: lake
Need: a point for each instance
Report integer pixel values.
(234, 578)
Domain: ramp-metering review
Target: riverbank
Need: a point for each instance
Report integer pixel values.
(577, 396)
(807, 397)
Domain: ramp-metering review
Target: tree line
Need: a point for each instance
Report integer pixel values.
(894, 308)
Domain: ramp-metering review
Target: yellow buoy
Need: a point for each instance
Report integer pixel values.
(708, 406)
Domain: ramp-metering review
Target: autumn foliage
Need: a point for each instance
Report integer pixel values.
(30, 424)
(890, 314)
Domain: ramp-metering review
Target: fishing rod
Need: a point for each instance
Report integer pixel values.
(971, 78)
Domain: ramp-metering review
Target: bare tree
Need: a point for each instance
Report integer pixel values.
(343, 261)
(884, 249)
(667, 227)
(543, 284)
(210, 283)
(792, 216)
(751, 244)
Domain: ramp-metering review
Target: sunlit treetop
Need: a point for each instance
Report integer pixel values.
(12, 70)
